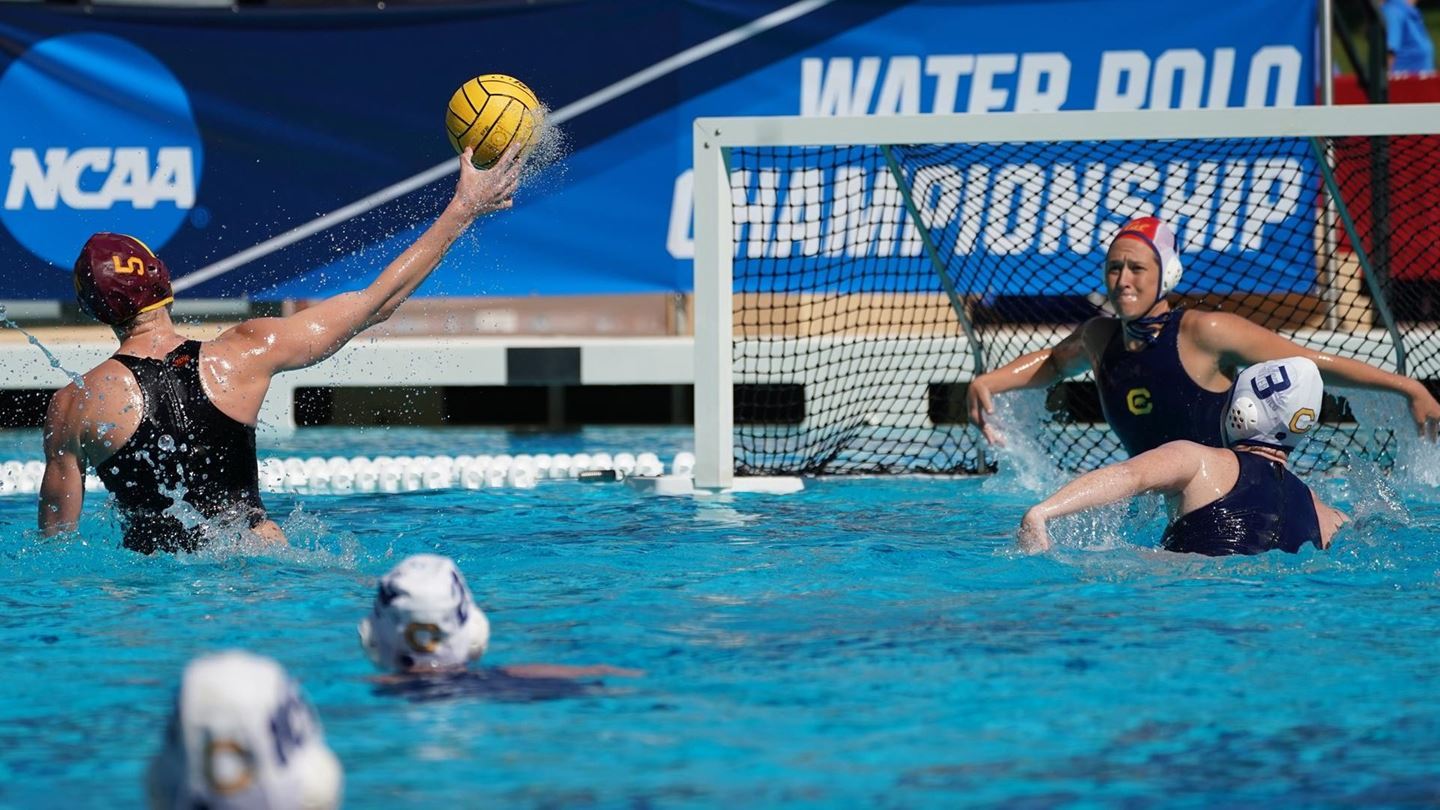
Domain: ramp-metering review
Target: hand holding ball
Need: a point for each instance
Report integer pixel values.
(490, 112)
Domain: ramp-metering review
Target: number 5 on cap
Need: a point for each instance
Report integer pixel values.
(132, 266)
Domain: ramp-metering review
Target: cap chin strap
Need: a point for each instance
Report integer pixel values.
(1143, 328)
(163, 302)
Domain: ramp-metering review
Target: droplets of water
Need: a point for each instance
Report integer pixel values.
(55, 363)
(548, 148)
(310, 541)
(1023, 464)
(1417, 460)
(1371, 497)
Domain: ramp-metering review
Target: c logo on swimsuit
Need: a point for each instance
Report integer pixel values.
(1302, 421)
(424, 637)
(1138, 401)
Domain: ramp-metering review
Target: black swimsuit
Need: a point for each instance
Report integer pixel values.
(184, 446)
(1149, 399)
(1268, 508)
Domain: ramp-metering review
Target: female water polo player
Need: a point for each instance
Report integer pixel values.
(169, 423)
(1241, 500)
(242, 735)
(1163, 373)
(426, 629)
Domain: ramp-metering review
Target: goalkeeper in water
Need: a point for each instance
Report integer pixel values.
(1165, 373)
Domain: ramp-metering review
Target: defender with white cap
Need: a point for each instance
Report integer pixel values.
(1274, 404)
(1241, 500)
(425, 630)
(424, 619)
(243, 737)
(1164, 373)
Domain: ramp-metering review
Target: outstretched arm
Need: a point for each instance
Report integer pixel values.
(317, 332)
(1168, 468)
(62, 489)
(1237, 341)
(1034, 370)
(1331, 519)
(566, 671)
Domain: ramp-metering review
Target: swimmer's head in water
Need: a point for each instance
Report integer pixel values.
(242, 735)
(1161, 240)
(118, 277)
(1274, 404)
(424, 618)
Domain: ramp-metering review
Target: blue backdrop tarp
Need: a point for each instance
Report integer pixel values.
(208, 133)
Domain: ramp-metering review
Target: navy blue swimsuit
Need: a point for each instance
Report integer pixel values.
(183, 443)
(1267, 509)
(486, 684)
(1149, 399)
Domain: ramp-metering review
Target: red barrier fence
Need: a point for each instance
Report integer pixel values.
(1412, 191)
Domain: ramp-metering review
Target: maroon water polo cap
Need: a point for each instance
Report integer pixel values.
(118, 277)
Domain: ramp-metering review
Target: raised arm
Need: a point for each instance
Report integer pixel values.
(62, 489)
(1237, 341)
(1034, 370)
(317, 332)
(1168, 468)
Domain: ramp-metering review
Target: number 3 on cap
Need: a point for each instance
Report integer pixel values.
(131, 266)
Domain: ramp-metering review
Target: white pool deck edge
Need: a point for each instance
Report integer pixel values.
(389, 361)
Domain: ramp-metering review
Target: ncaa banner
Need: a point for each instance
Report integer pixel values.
(218, 136)
(285, 154)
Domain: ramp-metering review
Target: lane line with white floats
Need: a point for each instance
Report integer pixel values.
(338, 475)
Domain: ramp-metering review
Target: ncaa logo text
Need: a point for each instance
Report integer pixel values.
(125, 176)
(109, 142)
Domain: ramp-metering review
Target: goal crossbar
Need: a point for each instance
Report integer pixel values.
(1294, 122)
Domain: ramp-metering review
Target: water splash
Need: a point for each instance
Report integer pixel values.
(1130, 526)
(1024, 465)
(1417, 460)
(1025, 469)
(548, 148)
(34, 341)
(1367, 494)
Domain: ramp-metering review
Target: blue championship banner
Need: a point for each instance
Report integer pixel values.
(274, 153)
(1000, 216)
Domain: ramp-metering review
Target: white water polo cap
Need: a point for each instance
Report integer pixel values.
(243, 737)
(1274, 404)
(1161, 239)
(424, 618)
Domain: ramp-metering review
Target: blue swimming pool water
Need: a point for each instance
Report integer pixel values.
(870, 642)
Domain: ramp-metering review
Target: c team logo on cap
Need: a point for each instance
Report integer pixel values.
(1302, 420)
(229, 767)
(108, 139)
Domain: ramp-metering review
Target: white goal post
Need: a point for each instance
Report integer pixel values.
(715, 233)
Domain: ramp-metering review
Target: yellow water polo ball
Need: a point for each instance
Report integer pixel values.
(490, 112)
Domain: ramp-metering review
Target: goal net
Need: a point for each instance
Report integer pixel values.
(853, 274)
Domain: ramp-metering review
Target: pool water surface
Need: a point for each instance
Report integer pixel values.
(871, 642)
